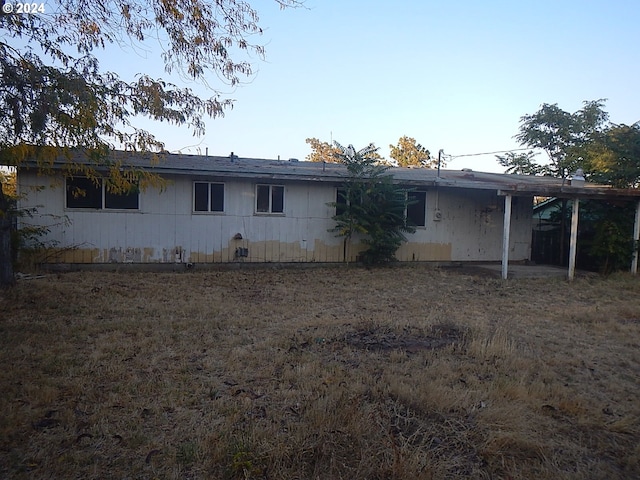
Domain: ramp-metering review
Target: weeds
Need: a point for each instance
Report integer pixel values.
(405, 372)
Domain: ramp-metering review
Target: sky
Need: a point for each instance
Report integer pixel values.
(456, 75)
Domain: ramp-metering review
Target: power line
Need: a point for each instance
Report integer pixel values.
(487, 153)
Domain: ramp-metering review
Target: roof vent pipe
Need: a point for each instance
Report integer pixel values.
(577, 179)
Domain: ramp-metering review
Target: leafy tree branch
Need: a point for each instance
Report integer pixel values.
(371, 206)
(56, 101)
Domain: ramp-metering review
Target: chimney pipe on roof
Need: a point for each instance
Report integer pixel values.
(577, 179)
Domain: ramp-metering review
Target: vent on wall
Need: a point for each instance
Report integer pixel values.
(241, 252)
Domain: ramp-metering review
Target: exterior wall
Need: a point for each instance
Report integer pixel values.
(470, 228)
(165, 229)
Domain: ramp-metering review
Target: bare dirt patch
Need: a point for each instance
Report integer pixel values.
(393, 373)
(377, 337)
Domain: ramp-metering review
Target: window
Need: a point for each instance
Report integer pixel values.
(269, 199)
(341, 200)
(82, 192)
(417, 209)
(208, 197)
(121, 201)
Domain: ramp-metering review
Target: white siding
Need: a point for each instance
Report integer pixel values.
(165, 228)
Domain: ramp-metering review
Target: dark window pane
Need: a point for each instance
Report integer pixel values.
(262, 200)
(83, 193)
(341, 201)
(277, 199)
(201, 196)
(217, 197)
(125, 201)
(417, 209)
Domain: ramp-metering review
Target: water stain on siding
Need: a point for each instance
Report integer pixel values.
(424, 252)
(265, 251)
(271, 251)
(125, 255)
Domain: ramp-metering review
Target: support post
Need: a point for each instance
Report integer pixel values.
(505, 236)
(636, 241)
(573, 243)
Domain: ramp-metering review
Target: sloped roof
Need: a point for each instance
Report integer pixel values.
(290, 170)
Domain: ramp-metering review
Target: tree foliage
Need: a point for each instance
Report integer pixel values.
(9, 183)
(325, 152)
(53, 93)
(520, 163)
(55, 100)
(615, 158)
(562, 135)
(607, 153)
(608, 229)
(372, 205)
(322, 151)
(605, 236)
(410, 153)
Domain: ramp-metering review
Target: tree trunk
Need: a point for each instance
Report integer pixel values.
(6, 268)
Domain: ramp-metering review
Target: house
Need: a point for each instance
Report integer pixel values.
(230, 209)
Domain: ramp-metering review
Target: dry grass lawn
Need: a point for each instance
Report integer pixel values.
(326, 373)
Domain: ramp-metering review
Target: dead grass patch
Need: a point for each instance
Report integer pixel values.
(407, 372)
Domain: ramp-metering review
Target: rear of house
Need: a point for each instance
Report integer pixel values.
(229, 209)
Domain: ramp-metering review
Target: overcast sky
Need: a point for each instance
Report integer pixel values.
(455, 75)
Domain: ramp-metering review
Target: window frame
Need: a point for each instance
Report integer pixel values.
(269, 210)
(100, 194)
(210, 197)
